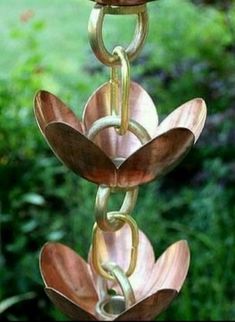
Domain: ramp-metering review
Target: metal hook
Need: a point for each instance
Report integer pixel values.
(96, 25)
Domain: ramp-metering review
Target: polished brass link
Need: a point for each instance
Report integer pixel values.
(97, 261)
(122, 280)
(95, 28)
(125, 89)
(114, 91)
(115, 121)
(111, 306)
(101, 208)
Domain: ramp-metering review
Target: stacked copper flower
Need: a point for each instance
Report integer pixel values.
(137, 164)
(72, 285)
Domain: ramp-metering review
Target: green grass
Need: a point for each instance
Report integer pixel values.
(63, 41)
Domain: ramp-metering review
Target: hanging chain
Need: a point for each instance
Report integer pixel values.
(119, 118)
(103, 217)
(98, 263)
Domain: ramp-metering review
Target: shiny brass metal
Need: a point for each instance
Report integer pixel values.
(114, 91)
(95, 28)
(115, 121)
(125, 89)
(101, 208)
(98, 263)
(73, 289)
(123, 282)
(97, 160)
(112, 306)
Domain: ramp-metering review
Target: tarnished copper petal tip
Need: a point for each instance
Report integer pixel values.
(171, 269)
(66, 272)
(191, 115)
(49, 108)
(150, 307)
(68, 307)
(180, 256)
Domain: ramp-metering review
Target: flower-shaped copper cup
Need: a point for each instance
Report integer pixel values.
(112, 159)
(72, 284)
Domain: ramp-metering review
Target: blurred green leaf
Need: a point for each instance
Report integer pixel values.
(33, 199)
(7, 303)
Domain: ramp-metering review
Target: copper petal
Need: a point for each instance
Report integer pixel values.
(146, 310)
(170, 269)
(49, 108)
(116, 248)
(66, 272)
(80, 154)
(142, 110)
(155, 158)
(191, 115)
(68, 307)
(150, 307)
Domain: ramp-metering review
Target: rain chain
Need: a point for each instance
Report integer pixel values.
(118, 145)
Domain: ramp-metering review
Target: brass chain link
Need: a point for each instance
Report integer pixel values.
(112, 221)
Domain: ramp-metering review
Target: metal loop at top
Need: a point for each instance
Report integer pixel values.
(95, 28)
(97, 261)
(101, 205)
(125, 89)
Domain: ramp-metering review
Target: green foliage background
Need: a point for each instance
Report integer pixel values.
(189, 53)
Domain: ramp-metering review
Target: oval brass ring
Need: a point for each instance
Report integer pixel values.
(95, 28)
(101, 208)
(128, 296)
(96, 240)
(115, 121)
(122, 281)
(125, 89)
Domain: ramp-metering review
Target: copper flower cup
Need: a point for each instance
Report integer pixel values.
(72, 285)
(112, 159)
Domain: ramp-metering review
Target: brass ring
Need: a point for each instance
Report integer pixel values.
(125, 89)
(123, 282)
(96, 238)
(95, 28)
(101, 205)
(115, 121)
(127, 299)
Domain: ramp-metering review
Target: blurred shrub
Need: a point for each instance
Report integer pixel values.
(189, 52)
